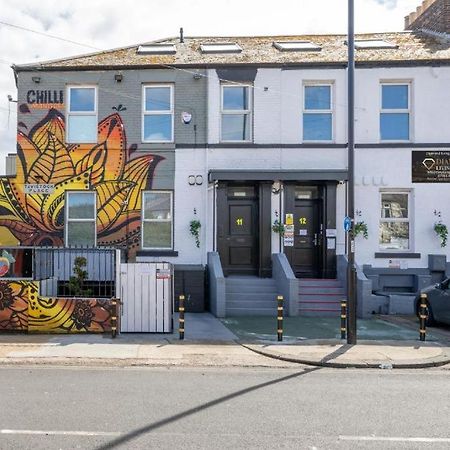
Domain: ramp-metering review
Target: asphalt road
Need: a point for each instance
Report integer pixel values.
(175, 408)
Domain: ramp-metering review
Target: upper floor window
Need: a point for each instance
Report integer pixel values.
(81, 215)
(157, 121)
(236, 113)
(157, 220)
(394, 221)
(317, 113)
(395, 112)
(82, 114)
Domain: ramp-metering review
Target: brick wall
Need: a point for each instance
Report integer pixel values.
(432, 15)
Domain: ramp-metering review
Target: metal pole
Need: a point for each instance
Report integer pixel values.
(351, 271)
(181, 316)
(423, 317)
(280, 318)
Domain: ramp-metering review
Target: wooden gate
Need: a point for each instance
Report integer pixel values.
(146, 293)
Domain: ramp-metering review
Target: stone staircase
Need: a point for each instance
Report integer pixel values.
(250, 296)
(320, 297)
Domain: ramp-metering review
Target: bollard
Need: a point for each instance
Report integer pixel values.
(114, 314)
(423, 316)
(181, 316)
(280, 318)
(343, 319)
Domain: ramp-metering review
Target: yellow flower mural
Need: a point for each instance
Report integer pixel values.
(109, 168)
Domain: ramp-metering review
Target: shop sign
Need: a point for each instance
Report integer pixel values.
(39, 188)
(431, 167)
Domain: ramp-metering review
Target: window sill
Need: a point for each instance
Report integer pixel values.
(398, 255)
(157, 253)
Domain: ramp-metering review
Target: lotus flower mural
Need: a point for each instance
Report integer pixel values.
(110, 168)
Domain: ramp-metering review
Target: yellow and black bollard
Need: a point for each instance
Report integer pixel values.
(114, 315)
(343, 319)
(181, 316)
(423, 316)
(280, 318)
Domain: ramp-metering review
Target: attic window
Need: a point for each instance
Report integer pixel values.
(157, 49)
(222, 47)
(374, 44)
(296, 46)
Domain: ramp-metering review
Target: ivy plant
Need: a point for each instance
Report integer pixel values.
(194, 228)
(278, 227)
(442, 231)
(361, 228)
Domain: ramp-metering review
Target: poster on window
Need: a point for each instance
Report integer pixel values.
(431, 166)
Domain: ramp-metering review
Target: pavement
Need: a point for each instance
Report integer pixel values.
(210, 342)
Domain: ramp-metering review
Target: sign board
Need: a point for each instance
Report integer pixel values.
(331, 232)
(38, 188)
(347, 224)
(289, 219)
(430, 166)
(288, 238)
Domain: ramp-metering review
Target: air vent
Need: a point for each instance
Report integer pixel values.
(222, 47)
(296, 46)
(157, 49)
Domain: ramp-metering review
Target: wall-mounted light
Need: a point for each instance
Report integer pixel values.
(199, 180)
(191, 180)
(118, 77)
(36, 79)
(197, 76)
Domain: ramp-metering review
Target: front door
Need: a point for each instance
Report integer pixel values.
(237, 229)
(305, 256)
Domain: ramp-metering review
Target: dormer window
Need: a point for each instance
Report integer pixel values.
(157, 49)
(296, 46)
(373, 44)
(220, 47)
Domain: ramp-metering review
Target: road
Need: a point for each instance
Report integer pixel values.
(180, 408)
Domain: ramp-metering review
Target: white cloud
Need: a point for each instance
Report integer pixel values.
(113, 23)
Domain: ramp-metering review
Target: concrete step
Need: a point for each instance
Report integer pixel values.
(250, 281)
(311, 298)
(251, 297)
(251, 289)
(313, 282)
(321, 290)
(238, 312)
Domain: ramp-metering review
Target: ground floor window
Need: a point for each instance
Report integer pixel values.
(81, 214)
(395, 221)
(157, 220)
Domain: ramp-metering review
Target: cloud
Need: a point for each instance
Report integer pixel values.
(113, 23)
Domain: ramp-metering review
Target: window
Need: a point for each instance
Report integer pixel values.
(236, 113)
(157, 220)
(317, 113)
(292, 46)
(157, 49)
(157, 122)
(395, 112)
(220, 47)
(80, 219)
(82, 115)
(374, 44)
(394, 223)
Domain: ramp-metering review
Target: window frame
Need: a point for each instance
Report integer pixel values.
(248, 112)
(70, 113)
(68, 220)
(143, 220)
(408, 220)
(408, 111)
(329, 84)
(170, 112)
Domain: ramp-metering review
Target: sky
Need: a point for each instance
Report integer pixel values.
(112, 23)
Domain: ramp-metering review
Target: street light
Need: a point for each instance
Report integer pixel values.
(351, 270)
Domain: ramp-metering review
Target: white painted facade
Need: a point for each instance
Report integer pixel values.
(277, 120)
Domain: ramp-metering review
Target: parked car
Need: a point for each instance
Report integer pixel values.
(438, 303)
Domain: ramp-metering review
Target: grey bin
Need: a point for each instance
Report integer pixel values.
(190, 281)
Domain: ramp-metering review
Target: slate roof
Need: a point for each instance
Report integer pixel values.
(415, 46)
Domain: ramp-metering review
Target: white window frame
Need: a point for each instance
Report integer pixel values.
(396, 111)
(396, 220)
(80, 113)
(163, 112)
(66, 233)
(248, 111)
(143, 220)
(329, 84)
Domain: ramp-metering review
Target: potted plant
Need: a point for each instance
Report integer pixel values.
(361, 228)
(77, 281)
(194, 228)
(442, 231)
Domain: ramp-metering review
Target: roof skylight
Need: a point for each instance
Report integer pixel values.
(296, 46)
(157, 49)
(373, 44)
(220, 47)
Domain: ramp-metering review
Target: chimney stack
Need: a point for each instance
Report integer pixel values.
(432, 16)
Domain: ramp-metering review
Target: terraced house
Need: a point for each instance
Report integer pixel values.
(229, 156)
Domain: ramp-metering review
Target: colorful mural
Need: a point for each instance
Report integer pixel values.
(22, 309)
(110, 168)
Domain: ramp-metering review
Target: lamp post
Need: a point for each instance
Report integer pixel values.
(351, 269)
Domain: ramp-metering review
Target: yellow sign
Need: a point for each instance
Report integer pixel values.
(289, 219)
(239, 222)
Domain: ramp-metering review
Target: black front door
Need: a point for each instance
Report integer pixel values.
(237, 229)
